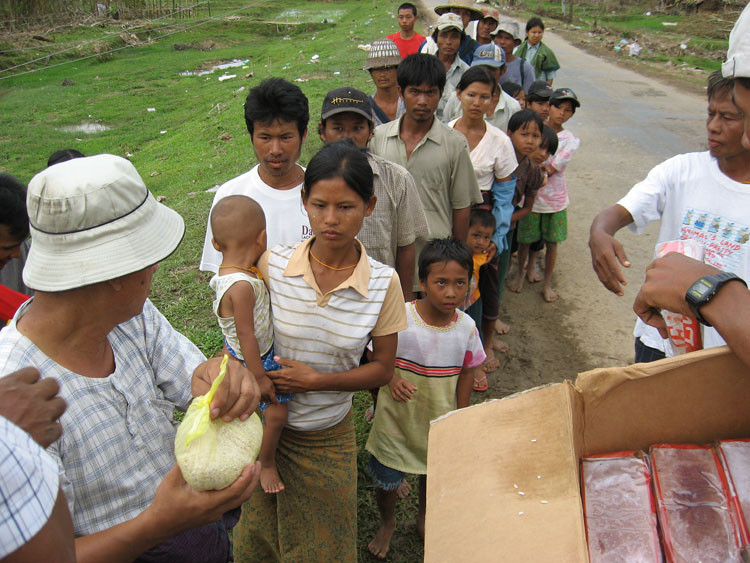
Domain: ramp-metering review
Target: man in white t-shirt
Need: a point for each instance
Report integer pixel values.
(276, 113)
(702, 196)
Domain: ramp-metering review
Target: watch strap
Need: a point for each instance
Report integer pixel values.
(705, 289)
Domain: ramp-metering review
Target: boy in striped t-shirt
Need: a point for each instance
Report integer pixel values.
(435, 363)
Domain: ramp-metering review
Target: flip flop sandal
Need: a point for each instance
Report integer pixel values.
(481, 383)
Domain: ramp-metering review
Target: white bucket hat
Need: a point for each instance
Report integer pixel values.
(92, 220)
(737, 64)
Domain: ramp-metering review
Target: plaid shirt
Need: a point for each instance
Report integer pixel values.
(28, 487)
(398, 218)
(118, 431)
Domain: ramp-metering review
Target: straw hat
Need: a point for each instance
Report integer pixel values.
(92, 220)
(476, 13)
(383, 52)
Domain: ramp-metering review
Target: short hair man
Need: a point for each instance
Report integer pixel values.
(435, 155)
(398, 220)
(122, 368)
(668, 279)
(407, 40)
(701, 196)
(276, 115)
(508, 36)
(493, 58)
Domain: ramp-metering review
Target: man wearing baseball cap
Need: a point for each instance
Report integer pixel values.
(537, 98)
(669, 280)
(398, 220)
(98, 237)
(448, 36)
(507, 35)
(493, 58)
(486, 25)
(466, 11)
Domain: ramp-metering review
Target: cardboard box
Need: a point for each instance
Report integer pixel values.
(482, 458)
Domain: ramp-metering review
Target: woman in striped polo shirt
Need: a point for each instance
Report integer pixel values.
(328, 301)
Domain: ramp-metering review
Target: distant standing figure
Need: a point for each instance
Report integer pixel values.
(508, 36)
(448, 36)
(407, 40)
(486, 25)
(541, 57)
(382, 63)
(468, 13)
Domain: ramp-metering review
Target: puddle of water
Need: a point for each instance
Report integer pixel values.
(232, 64)
(311, 17)
(86, 127)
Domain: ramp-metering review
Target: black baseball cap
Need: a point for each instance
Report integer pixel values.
(540, 89)
(565, 94)
(346, 98)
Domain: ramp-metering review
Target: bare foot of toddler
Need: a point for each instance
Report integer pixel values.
(270, 480)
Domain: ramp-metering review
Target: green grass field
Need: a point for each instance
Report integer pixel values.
(196, 136)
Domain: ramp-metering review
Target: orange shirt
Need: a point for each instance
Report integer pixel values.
(407, 46)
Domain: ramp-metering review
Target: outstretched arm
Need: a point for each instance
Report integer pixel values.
(606, 251)
(667, 282)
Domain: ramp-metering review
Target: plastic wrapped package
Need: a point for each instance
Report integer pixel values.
(619, 508)
(684, 332)
(693, 505)
(735, 455)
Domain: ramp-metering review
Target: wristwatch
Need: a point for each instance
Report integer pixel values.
(705, 289)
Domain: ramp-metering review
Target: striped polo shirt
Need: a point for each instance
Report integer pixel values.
(327, 331)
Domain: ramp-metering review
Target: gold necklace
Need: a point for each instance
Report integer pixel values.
(331, 267)
(251, 270)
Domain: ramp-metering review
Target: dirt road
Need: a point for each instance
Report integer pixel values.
(627, 123)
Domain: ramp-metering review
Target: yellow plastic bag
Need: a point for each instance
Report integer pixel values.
(212, 453)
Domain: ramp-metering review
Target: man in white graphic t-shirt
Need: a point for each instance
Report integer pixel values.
(702, 196)
(276, 113)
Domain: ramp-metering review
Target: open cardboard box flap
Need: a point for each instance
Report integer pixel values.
(482, 458)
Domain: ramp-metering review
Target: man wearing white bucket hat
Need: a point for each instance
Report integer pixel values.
(669, 280)
(98, 236)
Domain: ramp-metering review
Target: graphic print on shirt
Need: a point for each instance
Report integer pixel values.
(724, 239)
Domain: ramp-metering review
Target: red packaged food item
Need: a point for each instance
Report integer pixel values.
(684, 332)
(735, 455)
(693, 505)
(619, 508)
